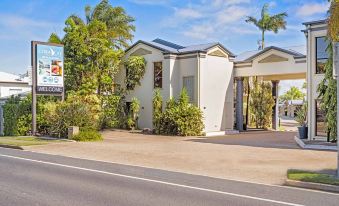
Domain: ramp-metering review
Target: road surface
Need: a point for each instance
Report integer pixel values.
(29, 178)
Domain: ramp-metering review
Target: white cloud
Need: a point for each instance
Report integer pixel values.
(311, 9)
(231, 14)
(218, 3)
(150, 2)
(200, 31)
(187, 13)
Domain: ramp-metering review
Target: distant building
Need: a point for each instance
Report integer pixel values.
(289, 108)
(11, 84)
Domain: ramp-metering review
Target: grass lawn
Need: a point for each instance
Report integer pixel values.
(23, 141)
(312, 177)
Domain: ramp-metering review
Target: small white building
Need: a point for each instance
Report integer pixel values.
(205, 70)
(11, 84)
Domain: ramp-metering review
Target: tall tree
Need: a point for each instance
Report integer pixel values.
(268, 22)
(94, 47)
(293, 94)
(261, 103)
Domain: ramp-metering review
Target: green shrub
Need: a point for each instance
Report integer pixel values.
(77, 110)
(135, 70)
(180, 118)
(157, 110)
(111, 111)
(88, 136)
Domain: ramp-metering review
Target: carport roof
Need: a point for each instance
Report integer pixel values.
(295, 51)
(171, 48)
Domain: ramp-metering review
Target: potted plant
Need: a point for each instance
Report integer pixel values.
(301, 118)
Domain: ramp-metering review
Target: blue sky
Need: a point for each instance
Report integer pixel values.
(179, 21)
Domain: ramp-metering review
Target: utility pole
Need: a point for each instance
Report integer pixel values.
(335, 75)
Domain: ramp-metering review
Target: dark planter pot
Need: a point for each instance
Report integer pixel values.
(303, 132)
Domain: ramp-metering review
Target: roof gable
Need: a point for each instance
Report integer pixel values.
(171, 48)
(250, 56)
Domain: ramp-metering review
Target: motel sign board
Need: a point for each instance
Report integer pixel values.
(49, 69)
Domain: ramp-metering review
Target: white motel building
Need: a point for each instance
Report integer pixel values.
(213, 77)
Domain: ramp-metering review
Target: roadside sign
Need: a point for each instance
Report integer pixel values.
(47, 73)
(49, 68)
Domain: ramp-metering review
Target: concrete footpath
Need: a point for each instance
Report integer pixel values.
(262, 157)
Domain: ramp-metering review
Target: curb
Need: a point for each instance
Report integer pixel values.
(314, 147)
(11, 147)
(312, 185)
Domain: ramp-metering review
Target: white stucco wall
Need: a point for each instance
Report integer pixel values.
(217, 93)
(8, 89)
(215, 98)
(313, 79)
(144, 93)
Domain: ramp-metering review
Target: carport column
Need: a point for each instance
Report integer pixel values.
(275, 114)
(239, 104)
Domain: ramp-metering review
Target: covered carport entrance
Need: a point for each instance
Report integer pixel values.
(271, 64)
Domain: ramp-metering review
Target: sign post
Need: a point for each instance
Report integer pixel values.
(47, 61)
(335, 75)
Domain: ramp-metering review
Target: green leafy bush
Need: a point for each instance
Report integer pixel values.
(87, 136)
(112, 111)
(180, 118)
(135, 70)
(157, 110)
(77, 110)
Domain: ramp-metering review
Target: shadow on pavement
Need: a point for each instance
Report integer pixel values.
(265, 139)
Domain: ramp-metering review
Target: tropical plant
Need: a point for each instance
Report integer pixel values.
(94, 47)
(268, 22)
(327, 90)
(135, 69)
(294, 93)
(157, 110)
(134, 113)
(261, 104)
(301, 115)
(180, 118)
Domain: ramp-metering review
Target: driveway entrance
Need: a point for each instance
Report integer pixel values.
(256, 156)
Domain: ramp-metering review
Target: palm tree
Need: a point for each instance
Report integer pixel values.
(268, 22)
(118, 23)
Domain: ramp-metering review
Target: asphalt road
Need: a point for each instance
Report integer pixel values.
(28, 178)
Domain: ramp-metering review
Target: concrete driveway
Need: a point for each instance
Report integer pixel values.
(262, 157)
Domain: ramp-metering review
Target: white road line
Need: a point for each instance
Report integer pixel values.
(154, 181)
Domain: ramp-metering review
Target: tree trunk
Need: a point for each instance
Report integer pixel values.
(262, 39)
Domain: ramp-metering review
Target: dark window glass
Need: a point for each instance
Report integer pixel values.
(321, 54)
(128, 86)
(320, 127)
(128, 108)
(157, 74)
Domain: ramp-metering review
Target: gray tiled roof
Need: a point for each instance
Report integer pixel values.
(296, 51)
(169, 47)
